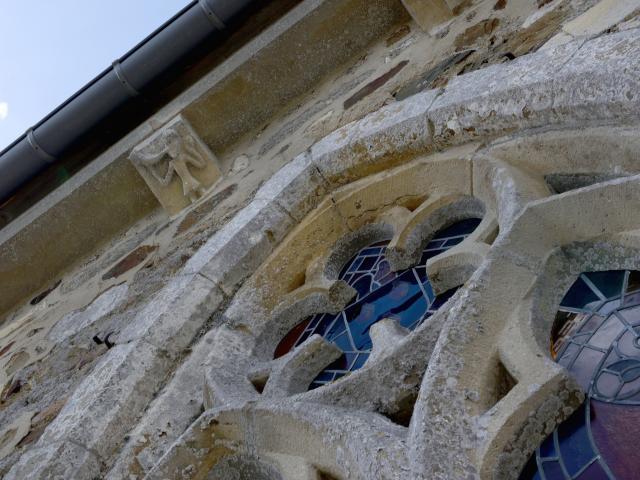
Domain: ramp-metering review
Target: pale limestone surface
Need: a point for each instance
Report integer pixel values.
(198, 332)
(14, 432)
(601, 17)
(351, 57)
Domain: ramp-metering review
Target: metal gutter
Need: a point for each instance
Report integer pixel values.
(127, 78)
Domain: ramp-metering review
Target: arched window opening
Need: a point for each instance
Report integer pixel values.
(406, 296)
(596, 337)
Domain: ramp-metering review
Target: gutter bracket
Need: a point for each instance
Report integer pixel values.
(33, 143)
(117, 69)
(213, 18)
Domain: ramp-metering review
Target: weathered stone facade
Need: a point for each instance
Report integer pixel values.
(153, 357)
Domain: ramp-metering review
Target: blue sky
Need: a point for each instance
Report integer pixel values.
(50, 48)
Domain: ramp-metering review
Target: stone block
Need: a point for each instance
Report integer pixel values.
(107, 195)
(176, 164)
(499, 99)
(575, 216)
(386, 137)
(174, 317)
(298, 187)
(385, 336)
(94, 205)
(406, 185)
(237, 250)
(428, 13)
(168, 416)
(13, 433)
(601, 81)
(56, 461)
(557, 40)
(601, 17)
(106, 404)
(77, 320)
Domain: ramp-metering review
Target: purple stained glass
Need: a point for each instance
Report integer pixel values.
(405, 296)
(596, 337)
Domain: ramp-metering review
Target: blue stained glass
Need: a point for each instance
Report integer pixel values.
(553, 471)
(602, 351)
(427, 254)
(382, 270)
(608, 283)
(453, 242)
(413, 314)
(406, 296)
(427, 289)
(536, 476)
(354, 266)
(368, 263)
(579, 451)
(609, 307)
(361, 360)
(324, 377)
(548, 448)
(342, 340)
(461, 228)
(337, 365)
(322, 326)
(530, 470)
(580, 296)
(362, 285)
(442, 299)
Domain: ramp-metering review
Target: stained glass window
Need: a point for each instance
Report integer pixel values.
(406, 296)
(596, 336)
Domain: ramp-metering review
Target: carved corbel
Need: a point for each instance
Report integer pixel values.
(176, 164)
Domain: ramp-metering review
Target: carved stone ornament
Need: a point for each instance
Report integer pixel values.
(176, 164)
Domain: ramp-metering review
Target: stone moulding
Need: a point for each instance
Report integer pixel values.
(176, 164)
(575, 85)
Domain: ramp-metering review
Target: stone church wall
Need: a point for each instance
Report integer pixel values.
(153, 358)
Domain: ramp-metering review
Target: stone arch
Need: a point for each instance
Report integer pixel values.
(576, 86)
(373, 208)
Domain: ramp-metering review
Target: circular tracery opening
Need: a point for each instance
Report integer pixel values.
(406, 296)
(595, 337)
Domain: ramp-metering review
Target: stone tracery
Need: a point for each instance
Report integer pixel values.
(407, 298)
(488, 378)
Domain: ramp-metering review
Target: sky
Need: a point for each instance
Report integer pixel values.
(49, 49)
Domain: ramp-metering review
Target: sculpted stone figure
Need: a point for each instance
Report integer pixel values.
(176, 156)
(176, 152)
